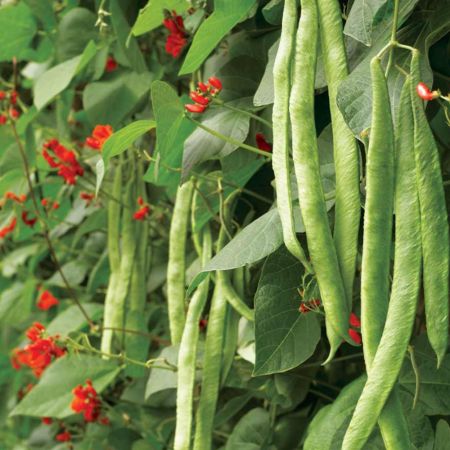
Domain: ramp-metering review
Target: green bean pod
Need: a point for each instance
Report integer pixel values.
(113, 256)
(187, 356)
(306, 163)
(392, 348)
(235, 300)
(434, 222)
(346, 155)
(280, 119)
(176, 267)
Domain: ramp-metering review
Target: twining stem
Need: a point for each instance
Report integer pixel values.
(45, 230)
(230, 140)
(243, 111)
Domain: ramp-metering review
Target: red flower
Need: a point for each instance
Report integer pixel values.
(2, 95)
(3, 119)
(87, 197)
(65, 436)
(47, 420)
(64, 160)
(16, 198)
(86, 401)
(354, 320)
(39, 353)
(111, 64)
(47, 301)
(7, 229)
(141, 213)
(44, 202)
(99, 136)
(424, 92)
(55, 205)
(195, 108)
(140, 201)
(203, 95)
(28, 222)
(309, 305)
(355, 336)
(176, 40)
(200, 99)
(262, 144)
(13, 97)
(14, 113)
(215, 82)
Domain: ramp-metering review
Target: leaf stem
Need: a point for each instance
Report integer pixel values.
(243, 111)
(393, 39)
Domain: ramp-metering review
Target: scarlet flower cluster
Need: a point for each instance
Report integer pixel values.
(15, 198)
(7, 229)
(13, 112)
(310, 305)
(39, 353)
(64, 160)
(111, 64)
(143, 211)
(27, 221)
(262, 144)
(64, 436)
(47, 300)
(176, 40)
(88, 197)
(204, 94)
(356, 323)
(424, 92)
(87, 402)
(100, 134)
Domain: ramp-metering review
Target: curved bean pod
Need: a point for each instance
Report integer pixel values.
(345, 149)
(389, 356)
(235, 300)
(176, 266)
(434, 222)
(280, 119)
(306, 163)
(187, 356)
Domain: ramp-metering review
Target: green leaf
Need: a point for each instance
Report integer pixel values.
(227, 13)
(16, 302)
(362, 18)
(127, 43)
(43, 10)
(284, 337)
(52, 396)
(75, 30)
(13, 260)
(110, 101)
(17, 29)
(201, 146)
(161, 379)
(73, 320)
(442, 437)
(55, 80)
(251, 432)
(124, 138)
(152, 15)
(172, 128)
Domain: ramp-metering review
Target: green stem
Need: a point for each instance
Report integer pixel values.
(230, 140)
(416, 374)
(243, 111)
(393, 39)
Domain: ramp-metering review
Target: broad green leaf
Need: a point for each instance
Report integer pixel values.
(124, 138)
(172, 128)
(13, 260)
(284, 337)
(442, 438)
(75, 271)
(227, 13)
(72, 319)
(163, 378)
(325, 430)
(52, 396)
(55, 80)
(251, 432)
(96, 221)
(17, 28)
(152, 15)
(110, 101)
(43, 10)
(362, 19)
(16, 303)
(231, 408)
(75, 30)
(264, 94)
(127, 43)
(434, 392)
(201, 145)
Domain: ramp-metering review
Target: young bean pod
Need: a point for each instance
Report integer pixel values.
(306, 163)
(434, 222)
(280, 119)
(187, 356)
(392, 348)
(176, 266)
(346, 154)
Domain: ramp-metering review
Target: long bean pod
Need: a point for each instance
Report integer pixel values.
(187, 356)
(280, 119)
(434, 222)
(346, 155)
(306, 163)
(397, 331)
(176, 266)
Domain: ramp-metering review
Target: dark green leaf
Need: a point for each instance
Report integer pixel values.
(442, 438)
